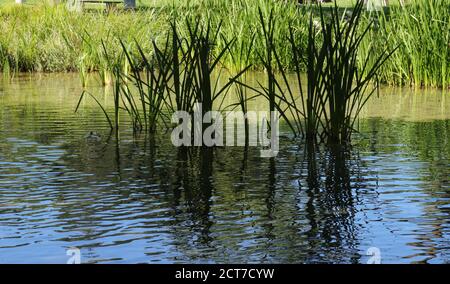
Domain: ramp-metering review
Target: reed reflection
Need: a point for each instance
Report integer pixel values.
(330, 208)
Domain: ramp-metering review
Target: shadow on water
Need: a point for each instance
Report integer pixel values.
(194, 180)
(331, 199)
(271, 224)
(139, 199)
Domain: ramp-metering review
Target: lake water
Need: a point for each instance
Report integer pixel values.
(136, 199)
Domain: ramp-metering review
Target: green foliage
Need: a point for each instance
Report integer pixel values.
(50, 38)
(53, 39)
(421, 29)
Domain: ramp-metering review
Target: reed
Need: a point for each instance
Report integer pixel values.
(114, 65)
(151, 84)
(347, 87)
(240, 59)
(336, 88)
(183, 73)
(175, 76)
(268, 30)
(207, 89)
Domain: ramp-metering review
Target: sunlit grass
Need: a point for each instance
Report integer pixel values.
(38, 37)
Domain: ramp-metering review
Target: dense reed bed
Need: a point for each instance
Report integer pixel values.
(53, 39)
(421, 29)
(327, 107)
(186, 70)
(178, 73)
(50, 38)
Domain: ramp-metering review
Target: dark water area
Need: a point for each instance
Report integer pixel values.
(138, 199)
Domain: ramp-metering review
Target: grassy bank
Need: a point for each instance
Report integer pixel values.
(47, 38)
(422, 32)
(53, 39)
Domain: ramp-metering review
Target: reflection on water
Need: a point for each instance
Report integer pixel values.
(140, 200)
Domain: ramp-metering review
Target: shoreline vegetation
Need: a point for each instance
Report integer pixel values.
(184, 72)
(50, 38)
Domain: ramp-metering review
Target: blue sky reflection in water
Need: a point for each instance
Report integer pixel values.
(141, 200)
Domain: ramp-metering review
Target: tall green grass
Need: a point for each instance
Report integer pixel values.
(421, 29)
(51, 38)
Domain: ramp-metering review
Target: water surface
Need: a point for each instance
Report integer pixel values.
(138, 199)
